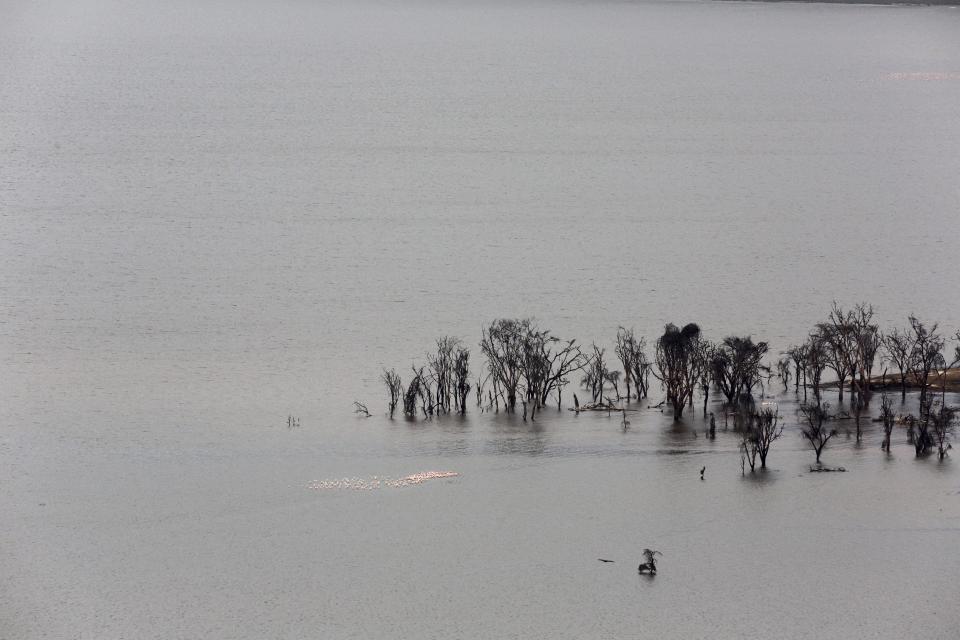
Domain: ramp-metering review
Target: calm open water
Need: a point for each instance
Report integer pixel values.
(214, 215)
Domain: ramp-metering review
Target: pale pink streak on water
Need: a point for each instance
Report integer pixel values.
(923, 75)
(376, 482)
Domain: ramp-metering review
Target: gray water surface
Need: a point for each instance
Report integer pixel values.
(215, 215)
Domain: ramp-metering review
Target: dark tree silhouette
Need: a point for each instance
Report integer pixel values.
(798, 354)
(630, 350)
(899, 347)
(441, 367)
(736, 366)
(765, 428)
(503, 344)
(705, 353)
(596, 374)
(392, 380)
(417, 391)
(650, 562)
(941, 424)
(926, 355)
(837, 342)
(461, 378)
(866, 343)
(888, 419)
(814, 431)
(920, 434)
(816, 362)
(676, 351)
(783, 371)
(565, 359)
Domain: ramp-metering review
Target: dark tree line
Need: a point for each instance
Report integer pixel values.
(849, 343)
(526, 366)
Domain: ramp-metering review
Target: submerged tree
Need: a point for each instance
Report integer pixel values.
(441, 367)
(866, 343)
(636, 367)
(564, 358)
(417, 391)
(814, 430)
(899, 347)
(676, 350)
(392, 380)
(888, 419)
(816, 362)
(919, 432)
(837, 343)
(783, 371)
(596, 374)
(736, 366)
(503, 344)
(461, 378)
(705, 353)
(765, 428)
(941, 423)
(798, 354)
(925, 356)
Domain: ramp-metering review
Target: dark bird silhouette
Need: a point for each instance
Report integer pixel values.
(604, 560)
(701, 472)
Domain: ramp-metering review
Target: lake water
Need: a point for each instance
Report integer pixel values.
(219, 214)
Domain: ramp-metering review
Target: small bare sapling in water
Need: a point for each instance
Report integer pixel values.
(650, 566)
(360, 409)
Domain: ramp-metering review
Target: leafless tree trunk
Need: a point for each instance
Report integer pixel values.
(675, 362)
(392, 380)
(888, 418)
(926, 355)
(942, 422)
(814, 431)
(899, 346)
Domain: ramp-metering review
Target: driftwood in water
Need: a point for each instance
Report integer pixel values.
(599, 406)
(826, 470)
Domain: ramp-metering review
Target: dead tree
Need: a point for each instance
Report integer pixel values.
(503, 345)
(361, 409)
(814, 430)
(899, 347)
(765, 428)
(461, 379)
(441, 367)
(926, 355)
(816, 362)
(783, 371)
(636, 367)
(675, 362)
(866, 342)
(942, 423)
(736, 366)
(417, 391)
(595, 374)
(888, 418)
(565, 359)
(704, 357)
(919, 431)
(630, 351)
(392, 380)
(798, 354)
(836, 339)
